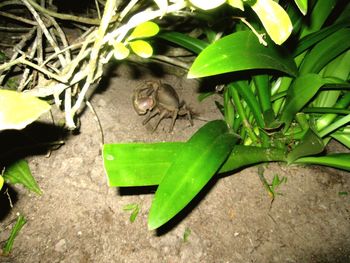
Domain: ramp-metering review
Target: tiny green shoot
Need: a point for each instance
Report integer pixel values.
(343, 193)
(134, 209)
(186, 235)
(14, 232)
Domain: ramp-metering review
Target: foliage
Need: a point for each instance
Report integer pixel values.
(286, 105)
(20, 222)
(134, 209)
(19, 173)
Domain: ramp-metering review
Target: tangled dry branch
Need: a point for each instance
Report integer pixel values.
(53, 67)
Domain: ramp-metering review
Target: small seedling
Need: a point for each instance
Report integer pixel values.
(14, 232)
(276, 182)
(343, 193)
(134, 209)
(186, 235)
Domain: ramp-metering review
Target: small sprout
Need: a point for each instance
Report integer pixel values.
(276, 182)
(134, 209)
(14, 232)
(343, 193)
(186, 235)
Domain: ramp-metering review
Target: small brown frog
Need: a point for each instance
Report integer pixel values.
(159, 98)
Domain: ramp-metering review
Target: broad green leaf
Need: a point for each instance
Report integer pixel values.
(207, 4)
(240, 51)
(146, 29)
(338, 160)
(302, 5)
(193, 44)
(196, 162)
(325, 51)
(120, 51)
(275, 20)
(20, 222)
(141, 164)
(19, 173)
(19, 109)
(300, 93)
(141, 48)
(138, 164)
(310, 144)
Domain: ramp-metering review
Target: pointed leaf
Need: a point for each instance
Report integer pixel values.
(310, 144)
(302, 5)
(300, 93)
(19, 173)
(141, 48)
(240, 51)
(190, 171)
(325, 51)
(19, 109)
(338, 160)
(193, 44)
(275, 20)
(146, 29)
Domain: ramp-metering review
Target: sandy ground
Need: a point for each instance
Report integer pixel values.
(80, 219)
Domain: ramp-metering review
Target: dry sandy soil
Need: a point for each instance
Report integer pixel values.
(80, 219)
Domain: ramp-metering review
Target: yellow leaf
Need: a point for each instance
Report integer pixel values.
(120, 51)
(1, 181)
(275, 20)
(17, 110)
(146, 29)
(141, 48)
(207, 4)
(236, 4)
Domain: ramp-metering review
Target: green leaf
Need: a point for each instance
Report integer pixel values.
(325, 51)
(138, 164)
(314, 38)
(19, 109)
(310, 144)
(14, 232)
(302, 5)
(300, 93)
(19, 173)
(337, 160)
(146, 29)
(240, 51)
(196, 162)
(141, 48)
(193, 44)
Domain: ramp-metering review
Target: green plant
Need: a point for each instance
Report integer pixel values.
(20, 222)
(285, 106)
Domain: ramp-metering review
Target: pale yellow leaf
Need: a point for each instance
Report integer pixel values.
(236, 4)
(146, 29)
(274, 19)
(17, 110)
(120, 51)
(141, 48)
(207, 4)
(1, 181)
